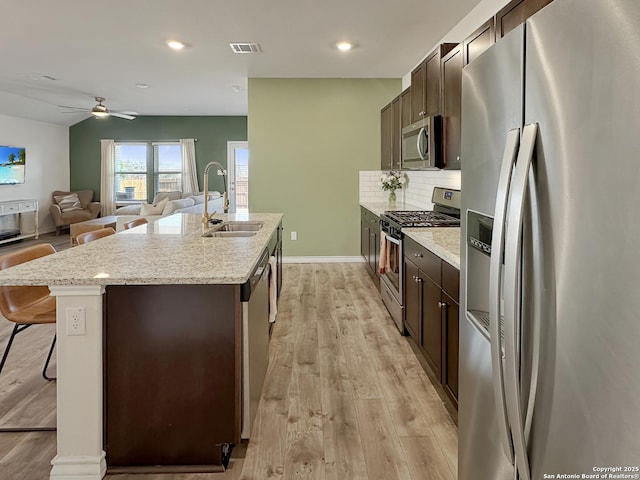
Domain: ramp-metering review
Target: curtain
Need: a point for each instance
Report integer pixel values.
(189, 173)
(107, 177)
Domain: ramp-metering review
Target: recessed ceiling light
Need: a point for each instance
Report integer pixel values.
(142, 85)
(344, 46)
(175, 44)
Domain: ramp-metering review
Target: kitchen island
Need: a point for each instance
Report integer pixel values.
(155, 377)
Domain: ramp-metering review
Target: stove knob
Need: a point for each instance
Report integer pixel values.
(417, 255)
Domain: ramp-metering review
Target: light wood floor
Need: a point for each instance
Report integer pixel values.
(345, 397)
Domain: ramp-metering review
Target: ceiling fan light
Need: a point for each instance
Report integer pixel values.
(100, 111)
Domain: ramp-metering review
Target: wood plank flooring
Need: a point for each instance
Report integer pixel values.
(345, 397)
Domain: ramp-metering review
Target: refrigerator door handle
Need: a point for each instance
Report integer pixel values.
(512, 297)
(495, 280)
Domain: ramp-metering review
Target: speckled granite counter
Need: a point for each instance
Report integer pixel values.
(444, 242)
(380, 207)
(168, 251)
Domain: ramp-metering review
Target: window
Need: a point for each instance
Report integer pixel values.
(145, 168)
(168, 167)
(131, 171)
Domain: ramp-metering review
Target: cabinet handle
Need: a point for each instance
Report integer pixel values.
(417, 255)
(442, 304)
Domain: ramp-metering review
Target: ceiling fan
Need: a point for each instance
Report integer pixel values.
(100, 111)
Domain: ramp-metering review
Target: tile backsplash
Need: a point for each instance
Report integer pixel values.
(418, 189)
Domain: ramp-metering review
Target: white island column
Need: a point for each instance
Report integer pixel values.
(80, 452)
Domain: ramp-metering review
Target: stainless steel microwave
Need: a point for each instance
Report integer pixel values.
(422, 144)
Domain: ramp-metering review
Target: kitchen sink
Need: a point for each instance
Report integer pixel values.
(234, 229)
(240, 226)
(222, 233)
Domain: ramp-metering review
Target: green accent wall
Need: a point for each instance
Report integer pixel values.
(212, 134)
(308, 141)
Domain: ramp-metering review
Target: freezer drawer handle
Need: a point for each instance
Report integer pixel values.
(512, 297)
(495, 280)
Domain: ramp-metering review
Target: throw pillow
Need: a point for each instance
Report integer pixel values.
(175, 195)
(174, 205)
(68, 203)
(197, 199)
(128, 210)
(146, 209)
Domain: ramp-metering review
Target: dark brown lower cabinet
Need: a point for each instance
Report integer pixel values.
(450, 317)
(370, 241)
(413, 301)
(172, 375)
(431, 312)
(432, 325)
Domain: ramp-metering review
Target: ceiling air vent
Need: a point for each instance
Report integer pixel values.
(245, 47)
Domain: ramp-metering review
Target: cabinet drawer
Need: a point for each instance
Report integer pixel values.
(451, 280)
(10, 208)
(27, 206)
(426, 261)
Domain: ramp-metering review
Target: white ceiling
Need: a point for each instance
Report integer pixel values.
(104, 47)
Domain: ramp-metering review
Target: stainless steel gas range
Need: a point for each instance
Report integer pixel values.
(445, 213)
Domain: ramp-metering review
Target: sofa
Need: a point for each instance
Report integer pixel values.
(72, 207)
(168, 203)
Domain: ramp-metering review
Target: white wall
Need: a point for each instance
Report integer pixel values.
(47, 162)
(476, 17)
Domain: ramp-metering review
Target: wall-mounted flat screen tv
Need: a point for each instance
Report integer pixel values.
(12, 162)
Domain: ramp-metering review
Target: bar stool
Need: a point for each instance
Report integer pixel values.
(94, 235)
(135, 223)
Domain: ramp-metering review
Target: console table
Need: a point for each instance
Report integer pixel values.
(18, 207)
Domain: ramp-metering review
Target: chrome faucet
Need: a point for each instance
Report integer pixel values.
(225, 197)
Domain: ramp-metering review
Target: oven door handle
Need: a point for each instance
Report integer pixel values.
(391, 239)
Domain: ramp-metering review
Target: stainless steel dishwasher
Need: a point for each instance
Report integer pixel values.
(255, 340)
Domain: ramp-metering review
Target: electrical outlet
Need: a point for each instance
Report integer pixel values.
(294, 235)
(76, 321)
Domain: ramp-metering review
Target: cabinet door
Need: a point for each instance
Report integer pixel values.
(432, 91)
(432, 324)
(395, 133)
(515, 13)
(374, 244)
(413, 301)
(386, 126)
(405, 108)
(418, 93)
(450, 319)
(478, 41)
(364, 236)
(451, 108)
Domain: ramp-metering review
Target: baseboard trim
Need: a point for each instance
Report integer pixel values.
(357, 259)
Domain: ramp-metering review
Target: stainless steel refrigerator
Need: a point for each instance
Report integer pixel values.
(550, 257)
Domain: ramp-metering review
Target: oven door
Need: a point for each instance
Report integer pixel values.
(391, 280)
(393, 266)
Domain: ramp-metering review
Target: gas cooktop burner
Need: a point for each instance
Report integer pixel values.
(422, 219)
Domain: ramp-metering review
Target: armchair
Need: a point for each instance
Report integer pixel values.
(64, 215)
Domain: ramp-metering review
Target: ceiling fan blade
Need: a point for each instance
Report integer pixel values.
(76, 111)
(122, 115)
(74, 108)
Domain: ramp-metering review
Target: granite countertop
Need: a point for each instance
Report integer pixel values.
(380, 207)
(168, 251)
(444, 242)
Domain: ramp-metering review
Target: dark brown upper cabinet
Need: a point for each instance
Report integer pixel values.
(451, 108)
(425, 84)
(386, 133)
(418, 94)
(478, 41)
(515, 13)
(396, 132)
(405, 108)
